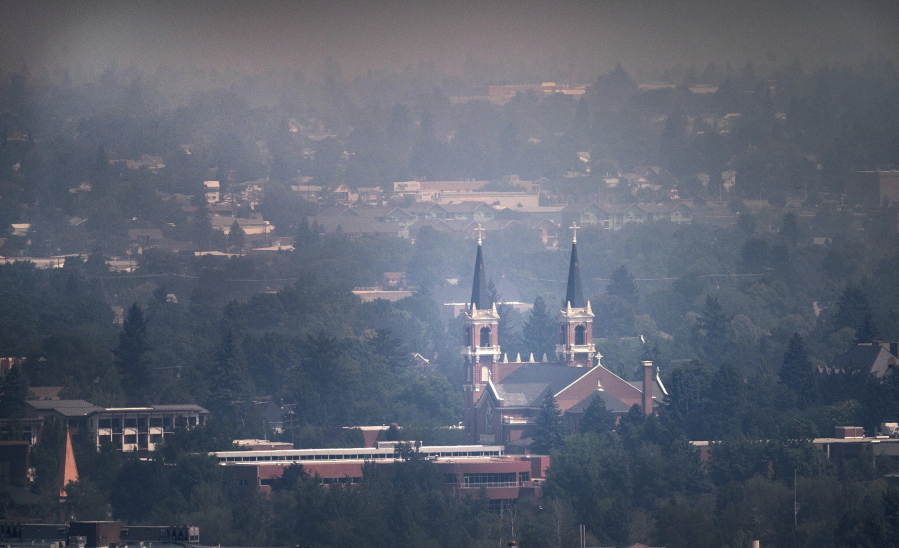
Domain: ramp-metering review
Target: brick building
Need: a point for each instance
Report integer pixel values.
(464, 468)
(503, 397)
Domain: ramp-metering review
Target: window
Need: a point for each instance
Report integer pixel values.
(131, 423)
(467, 339)
(580, 335)
(490, 480)
(485, 336)
(524, 477)
(130, 438)
(104, 438)
(450, 478)
(563, 335)
(105, 423)
(156, 422)
(142, 424)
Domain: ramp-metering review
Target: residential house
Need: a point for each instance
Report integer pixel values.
(878, 358)
(213, 191)
(143, 238)
(469, 211)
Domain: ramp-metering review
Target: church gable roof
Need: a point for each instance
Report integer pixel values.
(527, 385)
(613, 404)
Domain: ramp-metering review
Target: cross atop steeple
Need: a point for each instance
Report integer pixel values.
(480, 231)
(574, 228)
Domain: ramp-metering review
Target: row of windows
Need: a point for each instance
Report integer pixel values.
(478, 479)
(491, 479)
(471, 480)
(117, 440)
(367, 456)
(142, 422)
(346, 480)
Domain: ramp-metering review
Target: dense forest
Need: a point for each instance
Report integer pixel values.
(740, 320)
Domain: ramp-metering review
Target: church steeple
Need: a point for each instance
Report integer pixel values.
(574, 295)
(480, 344)
(576, 317)
(479, 285)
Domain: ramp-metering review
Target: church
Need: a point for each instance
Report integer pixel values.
(503, 397)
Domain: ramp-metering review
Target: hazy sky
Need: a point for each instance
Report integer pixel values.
(594, 34)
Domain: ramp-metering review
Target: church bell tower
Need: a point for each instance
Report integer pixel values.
(480, 341)
(575, 346)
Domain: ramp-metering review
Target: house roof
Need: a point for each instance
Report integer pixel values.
(67, 408)
(872, 358)
(357, 225)
(341, 211)
(452, 185)
(465, 207)
(151, 233)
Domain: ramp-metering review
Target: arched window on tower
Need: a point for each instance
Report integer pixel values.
(563, 334)
(580, 335)
(467, 336)
(485, 336)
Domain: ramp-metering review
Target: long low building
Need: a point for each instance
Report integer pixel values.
(126, 428)
(465, 468)
(96, 534)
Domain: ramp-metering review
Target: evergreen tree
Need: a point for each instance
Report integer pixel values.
(201, 226)
(709, 335)
(852, 307)
(789, 229)
(130, 355)
(13, 393)
(548, 427)
(798, 373)
(237, 238)
(228, 382)
(539, 331)
(597, 418)
(867, 331)
(622, 285)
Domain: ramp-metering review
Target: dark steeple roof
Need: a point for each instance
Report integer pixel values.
(479, 286)
(575, 293)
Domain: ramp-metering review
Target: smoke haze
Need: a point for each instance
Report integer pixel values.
(88, 36)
